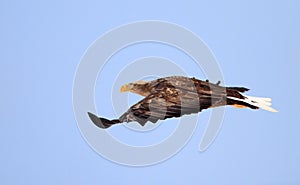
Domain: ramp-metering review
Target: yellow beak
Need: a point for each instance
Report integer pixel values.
(125, 88)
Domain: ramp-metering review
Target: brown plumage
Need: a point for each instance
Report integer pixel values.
(176, 96)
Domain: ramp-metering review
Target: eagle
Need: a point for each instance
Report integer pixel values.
(175, 96)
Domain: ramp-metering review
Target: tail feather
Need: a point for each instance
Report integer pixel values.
(263, 103)
(102, 122)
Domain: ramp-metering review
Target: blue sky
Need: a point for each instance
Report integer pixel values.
(255, 43)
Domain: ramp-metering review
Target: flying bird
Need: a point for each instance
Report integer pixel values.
(175, 96)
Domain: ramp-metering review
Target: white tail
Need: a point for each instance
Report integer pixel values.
(263, 103)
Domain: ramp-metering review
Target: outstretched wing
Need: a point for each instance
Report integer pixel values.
(170, 99)
(167, 103)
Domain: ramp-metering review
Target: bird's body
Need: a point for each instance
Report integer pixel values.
(176, 96)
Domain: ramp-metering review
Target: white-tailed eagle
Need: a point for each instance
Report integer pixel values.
(176, 96)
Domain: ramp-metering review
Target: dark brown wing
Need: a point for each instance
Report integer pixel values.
(174, 97)
(168, 102)
(209, 93)
(169, 99)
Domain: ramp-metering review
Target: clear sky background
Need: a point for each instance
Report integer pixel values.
(255, 42)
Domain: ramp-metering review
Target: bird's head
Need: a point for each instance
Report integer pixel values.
(138, 87)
